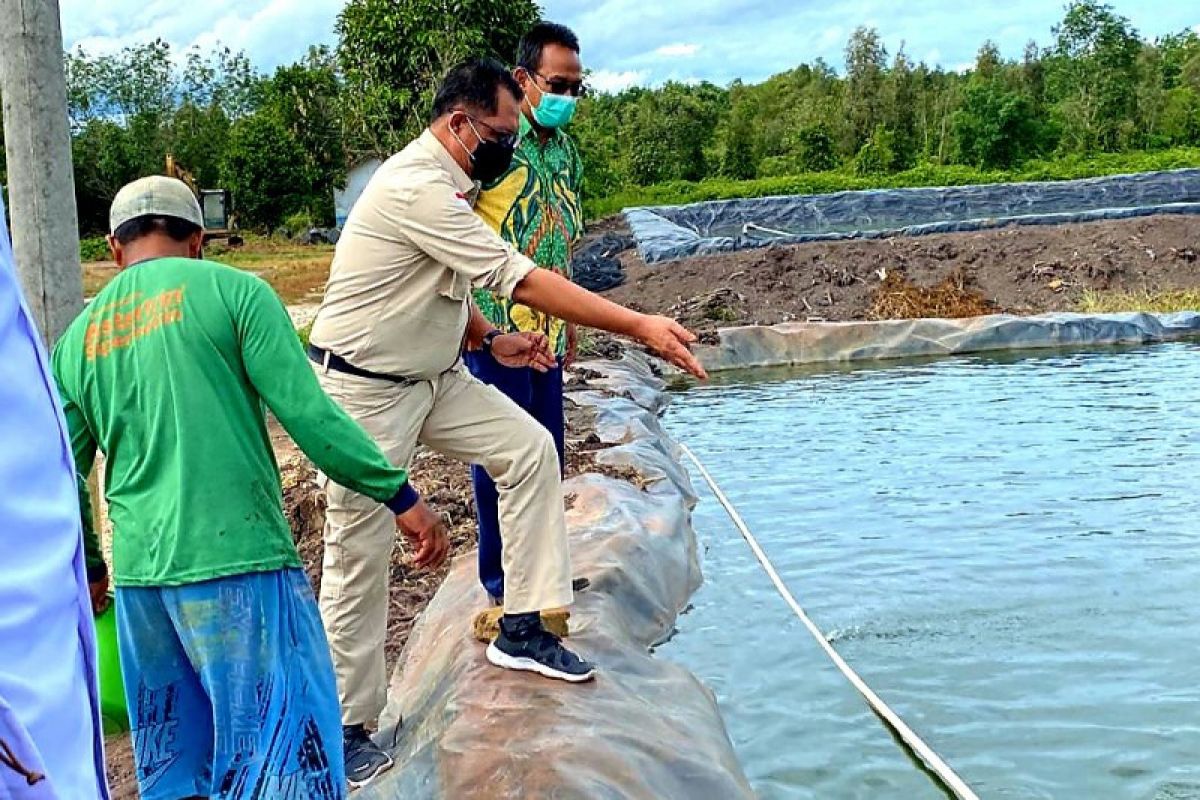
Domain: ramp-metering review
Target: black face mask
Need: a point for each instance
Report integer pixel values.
(491, 158)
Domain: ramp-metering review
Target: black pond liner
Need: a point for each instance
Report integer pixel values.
(666, 233)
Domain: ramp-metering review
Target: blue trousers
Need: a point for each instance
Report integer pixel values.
(230, 690)
(540, 394)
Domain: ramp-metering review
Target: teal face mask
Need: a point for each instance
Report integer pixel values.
(554, 110)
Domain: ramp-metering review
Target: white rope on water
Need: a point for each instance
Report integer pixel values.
(932, 760)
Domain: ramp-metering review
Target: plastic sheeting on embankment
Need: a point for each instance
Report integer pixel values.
(812, 342)
(595, 265)
(646, 728)
(665, 233)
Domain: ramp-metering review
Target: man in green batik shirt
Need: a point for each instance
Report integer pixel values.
(535, 206)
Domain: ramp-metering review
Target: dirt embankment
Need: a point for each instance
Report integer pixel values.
(1020, 270)
(445, 484)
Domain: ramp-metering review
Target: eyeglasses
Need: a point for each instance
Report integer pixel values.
(564, 87)
(505, 138)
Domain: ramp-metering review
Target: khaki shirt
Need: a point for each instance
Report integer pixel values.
(397, 301)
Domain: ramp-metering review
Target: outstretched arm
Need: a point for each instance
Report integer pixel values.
(550, 292)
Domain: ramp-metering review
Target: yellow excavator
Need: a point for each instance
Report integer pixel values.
(215, 204)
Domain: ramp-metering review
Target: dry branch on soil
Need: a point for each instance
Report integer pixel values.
(899, 298)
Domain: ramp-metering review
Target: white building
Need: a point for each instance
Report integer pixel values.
(356, 182)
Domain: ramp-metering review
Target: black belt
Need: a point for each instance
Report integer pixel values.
(319, 355)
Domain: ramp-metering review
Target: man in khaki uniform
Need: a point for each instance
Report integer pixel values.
(387, 344)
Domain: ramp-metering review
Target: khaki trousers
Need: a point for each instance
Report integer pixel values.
(462, 418)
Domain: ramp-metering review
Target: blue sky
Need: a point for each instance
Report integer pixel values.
(628, 42)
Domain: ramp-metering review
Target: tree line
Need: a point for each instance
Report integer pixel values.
(1097, 87)
(283, 141)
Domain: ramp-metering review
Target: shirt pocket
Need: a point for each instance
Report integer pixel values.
(454, 286)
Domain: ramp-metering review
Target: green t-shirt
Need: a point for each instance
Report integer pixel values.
(169, 370)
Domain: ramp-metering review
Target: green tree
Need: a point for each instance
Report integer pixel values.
(995, 126)
(1093, 75)
(140, 80)
(267, 170)
(900, 112)
(198, 137)
(1181, 117)
(647, 149)
(866, 62)
(306, 98)
(877, 155)
(596, 131)
(931, 89)
(739, 161)
(667, 133)
(988, 61)
(1033, 79)
(815, 149)
(222, 80)
(1177, 50)
(131, 108)
(1190, 74)
(1150, 98)
(105, 158)
(394, 53)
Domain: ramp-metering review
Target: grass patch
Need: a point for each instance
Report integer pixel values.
(295, 276)
(96, 275)
(1162, 302)
(297, 272)
(304, 332)
(1066, 168)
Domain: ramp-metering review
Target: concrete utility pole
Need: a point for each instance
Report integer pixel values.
(41, 184)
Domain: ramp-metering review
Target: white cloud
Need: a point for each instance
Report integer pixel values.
(831, 37)
(678, 50)
(250, 25)
(607, 81)
(628, 42)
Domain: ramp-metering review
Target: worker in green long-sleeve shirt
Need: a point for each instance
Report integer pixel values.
(169, 371)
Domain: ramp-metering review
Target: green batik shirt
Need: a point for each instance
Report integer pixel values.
(536, 207)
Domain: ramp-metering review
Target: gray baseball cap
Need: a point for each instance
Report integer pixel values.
(155, 196)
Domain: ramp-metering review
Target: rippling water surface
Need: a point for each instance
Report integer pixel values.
(1008, 550)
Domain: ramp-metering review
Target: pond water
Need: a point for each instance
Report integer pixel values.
(1006, 549)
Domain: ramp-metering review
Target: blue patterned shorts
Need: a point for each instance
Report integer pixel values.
(231, 690)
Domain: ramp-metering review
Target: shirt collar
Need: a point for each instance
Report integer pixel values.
(461, 180)
(526, 132)
(524, 126)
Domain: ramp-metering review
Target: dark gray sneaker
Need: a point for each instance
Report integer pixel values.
(365, 760)
(525, 646)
